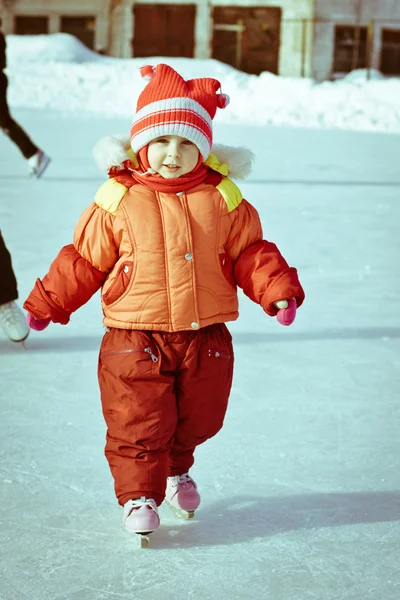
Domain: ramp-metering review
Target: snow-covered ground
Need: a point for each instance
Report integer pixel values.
(300, 490)
(58, 72)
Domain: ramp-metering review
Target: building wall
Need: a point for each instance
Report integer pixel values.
(292, 47)
(291, 61)
(383, 13)
(55, 9)
(366, 9)
(115, 26)
(120, 28)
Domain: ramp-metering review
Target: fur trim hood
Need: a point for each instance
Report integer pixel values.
(235, 162)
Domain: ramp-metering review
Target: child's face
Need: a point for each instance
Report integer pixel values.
(172, 156)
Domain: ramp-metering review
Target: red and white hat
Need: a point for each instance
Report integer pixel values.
(169, 105)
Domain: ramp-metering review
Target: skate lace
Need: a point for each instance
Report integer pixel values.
(138, 502)
(10, 314)
(185, 480)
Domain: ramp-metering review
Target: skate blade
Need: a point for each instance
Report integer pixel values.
(144, 540)
(21, 341)
(182, 514)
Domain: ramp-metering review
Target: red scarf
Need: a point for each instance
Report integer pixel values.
(155, 182)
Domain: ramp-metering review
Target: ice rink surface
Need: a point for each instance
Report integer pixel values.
(301, 488)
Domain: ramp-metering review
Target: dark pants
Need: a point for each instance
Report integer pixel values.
(8, 283)
(11, 127)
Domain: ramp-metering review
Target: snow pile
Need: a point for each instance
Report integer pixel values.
(60, 47)
(58, 72)
(360, 75)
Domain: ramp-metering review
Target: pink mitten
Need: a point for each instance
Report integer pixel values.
(36, 324)
(286, 316)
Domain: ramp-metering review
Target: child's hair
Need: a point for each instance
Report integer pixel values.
(170, 105)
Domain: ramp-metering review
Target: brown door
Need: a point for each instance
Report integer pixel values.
(82, 28)
(390, 53)
(254, 50)
(31, 25)
(164, 30)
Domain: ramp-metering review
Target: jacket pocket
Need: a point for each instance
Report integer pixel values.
(227, 269)
(120, 283)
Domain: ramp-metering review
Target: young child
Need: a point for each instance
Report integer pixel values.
(168, 238)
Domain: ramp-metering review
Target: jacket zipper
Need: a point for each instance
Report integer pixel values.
(218, 354)
(128, 350)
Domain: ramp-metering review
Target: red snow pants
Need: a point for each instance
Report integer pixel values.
(162, 395)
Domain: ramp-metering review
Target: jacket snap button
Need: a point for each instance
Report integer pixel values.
(188, 256)
(126, 268)
(194, 325)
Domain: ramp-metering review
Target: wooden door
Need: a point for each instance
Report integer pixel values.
(390, 53)
(259, 42)
(164, 30)
(31, 25)
(82, 28)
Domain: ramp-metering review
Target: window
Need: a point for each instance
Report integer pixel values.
(82, 28)
(350, 48)
(31, 25)
(390, 53)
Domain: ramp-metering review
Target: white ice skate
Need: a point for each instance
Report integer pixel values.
(12, 322)
(141, 517)
(38, 163)
(181, 495)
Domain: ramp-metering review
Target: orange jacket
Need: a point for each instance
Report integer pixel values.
(166, 262)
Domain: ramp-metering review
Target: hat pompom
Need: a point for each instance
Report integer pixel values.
(223, 100)
(147, 72)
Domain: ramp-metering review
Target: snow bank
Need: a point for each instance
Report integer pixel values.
(60, 47)
(58, 72)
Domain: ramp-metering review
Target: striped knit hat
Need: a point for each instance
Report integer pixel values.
(169, 105)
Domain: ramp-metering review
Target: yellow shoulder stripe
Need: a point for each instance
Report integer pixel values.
(214, 163)
(110, 195)
(230, 193)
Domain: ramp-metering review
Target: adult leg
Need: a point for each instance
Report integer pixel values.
(11, 127)
(202, 388)
(8, 282)
(139, 407)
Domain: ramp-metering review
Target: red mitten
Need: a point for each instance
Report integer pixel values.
(286, 314)
(37, 324)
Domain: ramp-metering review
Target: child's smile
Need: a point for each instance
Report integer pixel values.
(172, 167)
